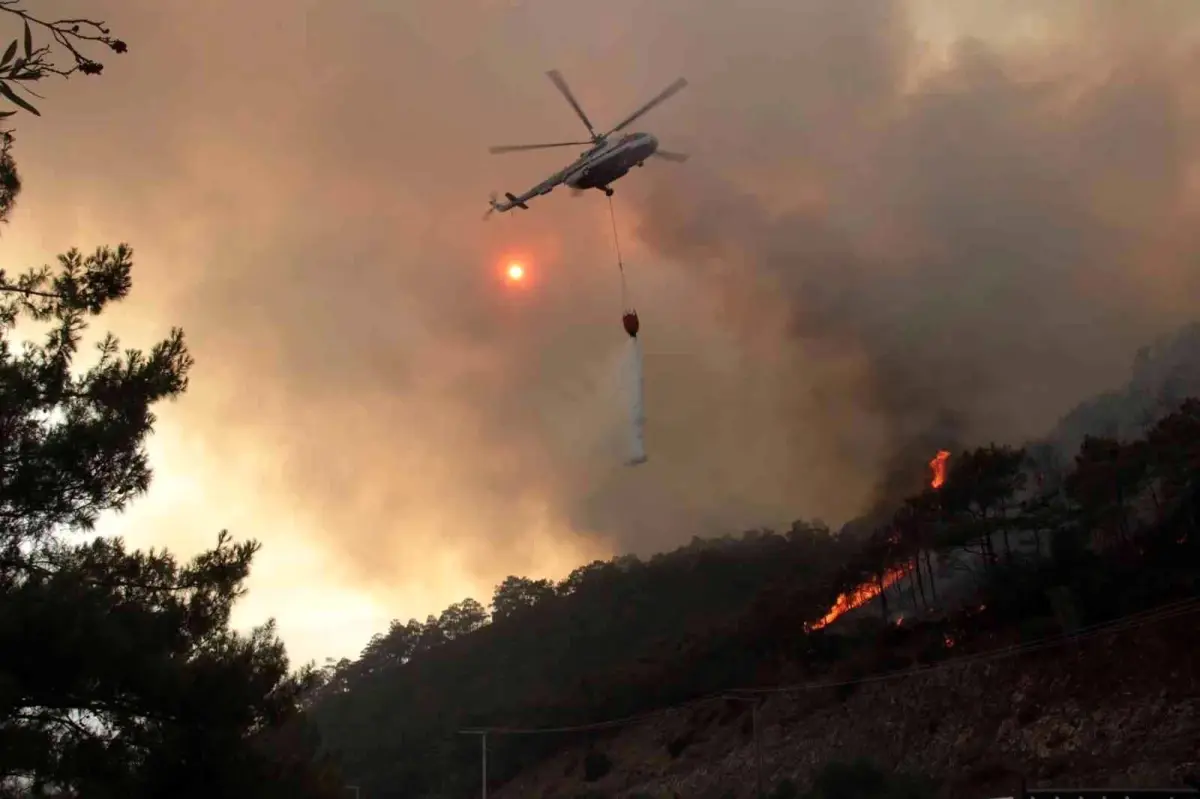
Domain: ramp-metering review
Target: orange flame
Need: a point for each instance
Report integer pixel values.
(857, 598)
(938, 465)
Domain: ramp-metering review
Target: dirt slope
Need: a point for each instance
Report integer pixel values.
(1118, 710)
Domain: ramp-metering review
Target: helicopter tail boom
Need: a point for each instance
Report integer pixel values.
(498, 207)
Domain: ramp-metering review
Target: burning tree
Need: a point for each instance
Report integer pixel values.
(979, 498)
(938, 467)
(969, 501)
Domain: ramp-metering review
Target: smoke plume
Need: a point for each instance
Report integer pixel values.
(904, 226)
(961, 244)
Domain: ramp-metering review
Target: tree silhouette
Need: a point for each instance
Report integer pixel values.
(982, 489)
(119, 673)
(1107, 478)
(518, 594)
(1173, 449)
(48, 47)
(462, 618)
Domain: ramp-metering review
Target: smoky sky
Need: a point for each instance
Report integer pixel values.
(903, 226)
(979, 237)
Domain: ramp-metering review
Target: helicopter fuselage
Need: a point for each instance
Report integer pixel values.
(601, 165)
(609, 157)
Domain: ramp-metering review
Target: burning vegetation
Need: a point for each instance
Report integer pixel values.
(938, 467)
(717, 614)
(872, 588)
(858, 597)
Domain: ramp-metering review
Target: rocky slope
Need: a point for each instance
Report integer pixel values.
(1120, 709)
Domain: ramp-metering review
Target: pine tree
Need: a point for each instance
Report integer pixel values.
(119, 673)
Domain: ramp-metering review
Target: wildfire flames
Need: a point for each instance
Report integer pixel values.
(872, 588)
(938, 467)
(857, 598)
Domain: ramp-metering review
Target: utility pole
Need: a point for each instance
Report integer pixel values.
(757, 748)
(483, 750)
(758, 756)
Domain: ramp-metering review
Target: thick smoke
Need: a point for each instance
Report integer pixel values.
(890, 238)
(982, 235)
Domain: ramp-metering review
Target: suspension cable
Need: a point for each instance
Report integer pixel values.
(612, 215)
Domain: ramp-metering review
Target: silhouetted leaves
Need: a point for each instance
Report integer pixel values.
(64, 54)
(518, 594)
(119, 673)
(16, 99)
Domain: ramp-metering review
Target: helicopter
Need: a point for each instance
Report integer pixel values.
(605, 160)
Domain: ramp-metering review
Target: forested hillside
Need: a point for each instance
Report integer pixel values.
(1031, 541)
(1163, 375)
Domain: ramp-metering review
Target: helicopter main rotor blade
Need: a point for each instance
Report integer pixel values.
(665, 94)
(667, 155)
(512, 148)
(561, 83)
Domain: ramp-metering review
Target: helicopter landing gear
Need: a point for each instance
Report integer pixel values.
(607, 191)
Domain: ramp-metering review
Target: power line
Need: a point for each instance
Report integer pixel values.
(599, 725)
(1169, 610)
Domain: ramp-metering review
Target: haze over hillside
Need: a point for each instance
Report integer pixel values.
(895, 238)
(597, 684)
(901, 221)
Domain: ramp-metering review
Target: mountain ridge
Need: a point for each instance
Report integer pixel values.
(627, 636)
